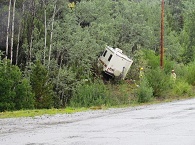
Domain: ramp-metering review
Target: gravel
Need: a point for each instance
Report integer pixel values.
(14, 125)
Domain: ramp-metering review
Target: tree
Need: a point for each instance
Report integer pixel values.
(19, 34)
(41, 86)
(174, 10)
(24, 95)
(65, 85)
(51, 35)
(12, 37)
(9, 78)
(188, 34)
(45, 16)
(8, 23)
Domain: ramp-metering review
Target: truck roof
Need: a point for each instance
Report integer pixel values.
(119, 53)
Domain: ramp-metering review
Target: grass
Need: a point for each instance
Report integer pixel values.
(33, 113)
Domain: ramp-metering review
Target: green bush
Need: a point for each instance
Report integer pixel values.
(190, 73)
(64, 86)
(145, 91)
(24, 96)
(41, 86)
(120, 94)
(182, 88)
(158, 80)
(92, 94)
(15, 92)
(153, 60)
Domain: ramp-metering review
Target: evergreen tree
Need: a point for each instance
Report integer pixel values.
(41, 86)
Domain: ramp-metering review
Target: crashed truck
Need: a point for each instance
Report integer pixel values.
(114, 63)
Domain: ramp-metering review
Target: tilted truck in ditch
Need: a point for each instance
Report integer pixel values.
(114, 63)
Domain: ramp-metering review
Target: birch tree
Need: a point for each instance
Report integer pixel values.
(12, 37)
(45, 16)
(19, 32)
(8, 22)
(51, 36)
(31, 37)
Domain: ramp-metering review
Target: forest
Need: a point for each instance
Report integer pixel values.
(49, 51)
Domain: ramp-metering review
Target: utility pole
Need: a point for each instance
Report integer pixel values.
(162, 35)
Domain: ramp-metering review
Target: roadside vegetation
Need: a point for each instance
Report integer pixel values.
(49, 64)
(39, 112)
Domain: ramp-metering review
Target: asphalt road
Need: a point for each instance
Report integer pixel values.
(161, 124)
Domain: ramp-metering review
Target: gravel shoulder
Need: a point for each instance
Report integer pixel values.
(158, 124)
(25, 124)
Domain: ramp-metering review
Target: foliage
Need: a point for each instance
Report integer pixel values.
(39, 112)
(67, 43)
(188, 33)
(148, 59)
(24, 95)
(174, 49)
(145, 91)
(64, 86)
(153, 60)
(190, 73)
(41, 86)
(120, 94)
(182, 88)
(90, 94)
(15, 91)
(158, 80)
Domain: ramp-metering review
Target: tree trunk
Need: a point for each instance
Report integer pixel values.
(32, 29)
(50, 47)
(12, 38)
(30, 48)
(17, 49)
(58, 77)
(45, 13)
(8, 22)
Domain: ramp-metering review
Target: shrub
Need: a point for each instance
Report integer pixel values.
(64, 86)
(152, 58)
(89, 94)
(24, 96)
(158, 80)
(190, 73)
(145, 91)
(120, 94)
(41, 86)
(181, 88)
(15, 92)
